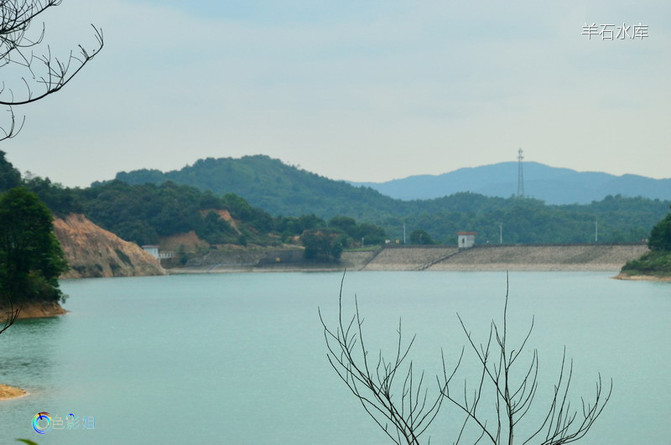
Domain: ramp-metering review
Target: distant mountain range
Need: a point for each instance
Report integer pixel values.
(550, 184)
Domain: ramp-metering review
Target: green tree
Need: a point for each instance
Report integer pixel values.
(31, 259)
(420, 237)
(344, 223)
(322, 245)
(9, 176)
(660, 236)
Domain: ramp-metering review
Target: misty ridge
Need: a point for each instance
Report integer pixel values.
(554, 185)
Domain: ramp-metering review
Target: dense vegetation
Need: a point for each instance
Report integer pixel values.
(30, 257)
(146, 213)
(31, 260)
(273, 186)
(284, 190)
(658, 260)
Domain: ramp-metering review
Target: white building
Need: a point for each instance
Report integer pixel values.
(465, 240)
(151, 250)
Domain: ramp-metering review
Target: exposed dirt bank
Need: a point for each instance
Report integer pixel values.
(92, 251)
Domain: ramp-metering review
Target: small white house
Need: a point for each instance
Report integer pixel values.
(151, 250)
(465, 240)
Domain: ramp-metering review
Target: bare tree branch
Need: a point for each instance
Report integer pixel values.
(513, 399)
(405, 416)
(11, 314)
(402, 408)
(45, 74)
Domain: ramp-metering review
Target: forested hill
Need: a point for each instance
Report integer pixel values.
(275, 187)
(284, 190)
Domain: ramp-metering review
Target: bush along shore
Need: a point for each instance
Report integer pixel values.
(654, 265)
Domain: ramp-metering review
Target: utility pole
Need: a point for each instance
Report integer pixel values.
(596, 230)
(403, 233)
(500, 233)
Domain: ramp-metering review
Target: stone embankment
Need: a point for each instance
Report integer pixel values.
(530, 257)
(409, 258)
(578, 257)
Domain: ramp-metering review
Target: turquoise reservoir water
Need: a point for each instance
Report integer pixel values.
(240, 358)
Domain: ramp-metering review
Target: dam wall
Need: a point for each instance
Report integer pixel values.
(571, 257)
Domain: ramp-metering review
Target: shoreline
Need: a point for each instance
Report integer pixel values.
(493, 267)
(41, 309)
(11, 392)
(626, 277)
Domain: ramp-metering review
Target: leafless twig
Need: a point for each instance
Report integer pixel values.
(44, 73)
(514, 398)
(390, 391)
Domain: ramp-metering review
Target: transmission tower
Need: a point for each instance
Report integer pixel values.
(520, 174)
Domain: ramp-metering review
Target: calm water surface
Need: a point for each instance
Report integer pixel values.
(240, 358)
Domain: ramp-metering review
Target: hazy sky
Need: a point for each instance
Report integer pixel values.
(366, 90)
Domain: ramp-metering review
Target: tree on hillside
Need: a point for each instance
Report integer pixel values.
(35, 75)
(9, 176)
(31, 260)
(660, 236)
(397, 398)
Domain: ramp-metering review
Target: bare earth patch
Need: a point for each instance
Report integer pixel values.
(9, 392)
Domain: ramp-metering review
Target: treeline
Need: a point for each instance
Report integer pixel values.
(148, 211)
(615, 219)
